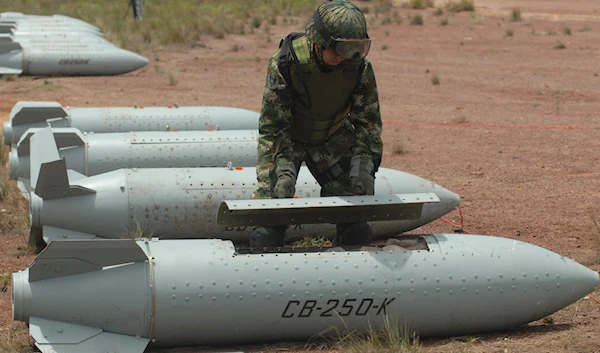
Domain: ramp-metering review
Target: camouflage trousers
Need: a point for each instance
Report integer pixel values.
(319, 159)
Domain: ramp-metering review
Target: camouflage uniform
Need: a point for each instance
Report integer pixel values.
(362, 131)
(355, 130)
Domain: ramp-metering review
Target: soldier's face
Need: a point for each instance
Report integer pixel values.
(331, 58)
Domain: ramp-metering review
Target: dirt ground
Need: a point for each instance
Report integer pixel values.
(512, 126)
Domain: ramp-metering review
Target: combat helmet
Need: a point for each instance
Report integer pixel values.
(340, 26)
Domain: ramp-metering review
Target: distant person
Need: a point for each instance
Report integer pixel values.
(321, 106)
(138, 9)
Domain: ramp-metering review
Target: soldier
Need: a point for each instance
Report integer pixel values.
(321, 106)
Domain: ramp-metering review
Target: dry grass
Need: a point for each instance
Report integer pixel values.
(418, 4)
(460, 119)
(313, 242)
(416, 20)
(398, 148)
(168, 22)
(476, 19)
(389, 338)
(50, 86)
(14, 209)
(515, 15)
(460, 6)
(5, 279)
(585, 28)
(15, 340)
(4, 150)
(9, 77)
(139, 230)
(392, 18)
(379, 7)
(256, 21)
(560, 45)
(173, 78)
(596, 241)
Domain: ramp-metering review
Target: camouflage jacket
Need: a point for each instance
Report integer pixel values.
(275, 146)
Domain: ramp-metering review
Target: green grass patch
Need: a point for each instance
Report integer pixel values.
(418, 4)
(379, 7)
(169, 22)
(392, 18)
(560, 45)
(460, 6)
(416, 20)
(476, 19)
(14, 208)
(9, 77)
(515, 15)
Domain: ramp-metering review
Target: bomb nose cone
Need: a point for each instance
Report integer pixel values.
(7, 133)
(13, 164)
(594, 279)
(132, 61)
(140, 61)
(21, 295)
(584, 279)
(450, 198)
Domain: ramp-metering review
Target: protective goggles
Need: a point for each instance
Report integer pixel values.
(346, 48)
(349, 48)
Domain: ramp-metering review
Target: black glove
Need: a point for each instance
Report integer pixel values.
(361, 175)
(377, 163)
(286, 181)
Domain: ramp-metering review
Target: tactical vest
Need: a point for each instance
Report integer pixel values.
(330, 95)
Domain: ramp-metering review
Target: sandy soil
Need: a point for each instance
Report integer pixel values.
(513, 127)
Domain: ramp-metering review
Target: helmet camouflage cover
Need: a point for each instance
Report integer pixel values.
(341, 18)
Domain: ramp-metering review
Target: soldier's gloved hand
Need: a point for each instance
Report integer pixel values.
(286, 181)
(362, 175)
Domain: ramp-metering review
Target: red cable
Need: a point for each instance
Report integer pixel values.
(462, 222)
(596, 300)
